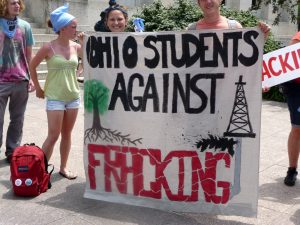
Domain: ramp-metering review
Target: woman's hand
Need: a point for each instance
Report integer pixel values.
(80, 38)
(39, 93)
(265, 28)
(265, 89)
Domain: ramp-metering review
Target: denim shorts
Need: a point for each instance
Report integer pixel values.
(294, 108)
(62, 105)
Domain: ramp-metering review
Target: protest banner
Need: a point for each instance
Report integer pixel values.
(281, 65)
(172, 119)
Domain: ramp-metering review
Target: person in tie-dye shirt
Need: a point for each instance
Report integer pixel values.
(16, 42)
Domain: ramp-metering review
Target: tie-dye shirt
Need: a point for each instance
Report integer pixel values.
(13, 63)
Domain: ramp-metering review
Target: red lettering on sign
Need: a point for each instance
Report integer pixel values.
(155, 159)
(120, 161)
(270, 64)
(284, 64)
(265, 71)
(209, 183)
(179, 196)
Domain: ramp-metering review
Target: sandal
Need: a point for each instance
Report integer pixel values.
(69, 175)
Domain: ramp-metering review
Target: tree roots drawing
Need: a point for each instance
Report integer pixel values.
(105, 134)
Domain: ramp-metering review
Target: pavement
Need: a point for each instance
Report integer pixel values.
(64, 202)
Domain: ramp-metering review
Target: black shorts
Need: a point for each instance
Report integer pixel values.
(292, 93)
(294, 108)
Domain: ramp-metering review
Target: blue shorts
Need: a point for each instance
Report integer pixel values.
(62, 105)
(294, 108)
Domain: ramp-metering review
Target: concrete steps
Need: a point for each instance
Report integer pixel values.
(39, 30)
(41, 36)
(44, 37)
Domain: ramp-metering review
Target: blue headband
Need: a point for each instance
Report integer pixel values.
(60, 18)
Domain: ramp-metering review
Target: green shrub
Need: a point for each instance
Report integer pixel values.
(177, 17)
(167, 18)
(274, 94)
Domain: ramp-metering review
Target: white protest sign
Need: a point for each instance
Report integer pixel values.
(281, 65)
(172, 119)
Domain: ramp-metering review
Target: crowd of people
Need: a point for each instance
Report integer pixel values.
(18, 74)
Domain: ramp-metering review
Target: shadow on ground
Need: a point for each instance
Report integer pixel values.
(73, 200)
(278, 192)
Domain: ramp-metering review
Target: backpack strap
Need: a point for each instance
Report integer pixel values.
(30, 144)
(47, 166)
(52, 47)
(49, 183)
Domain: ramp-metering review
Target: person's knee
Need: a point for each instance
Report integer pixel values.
(53, 138)
(295, 131)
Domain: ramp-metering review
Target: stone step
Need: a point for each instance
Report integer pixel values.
(27, 19)
(84, 28)
(31, 22)
(42, 66)
(35, 49)
(39, 44)
(42, 74)
(39, 31)
(44, 37)
(35, 25)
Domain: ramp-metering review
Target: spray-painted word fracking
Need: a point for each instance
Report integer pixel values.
(128, 175)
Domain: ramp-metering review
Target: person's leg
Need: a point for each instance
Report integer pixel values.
(4, 94)
(293, 140)
(294, 146)
(17, 106)
(55, 120)
(70, 116)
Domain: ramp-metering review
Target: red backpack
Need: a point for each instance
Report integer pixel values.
(29, 171)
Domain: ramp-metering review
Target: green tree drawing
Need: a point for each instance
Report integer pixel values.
(96, 97)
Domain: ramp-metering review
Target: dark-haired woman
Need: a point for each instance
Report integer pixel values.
(113, 19)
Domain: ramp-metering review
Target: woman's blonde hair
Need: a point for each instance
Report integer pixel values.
(4, 7)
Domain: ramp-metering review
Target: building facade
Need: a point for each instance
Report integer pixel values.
(282, 32)
(87, 12)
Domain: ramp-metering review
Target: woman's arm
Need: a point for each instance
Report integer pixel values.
(265, 28)
(294, 41)
(28, 53)
(37, 59)
(79, 47)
